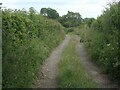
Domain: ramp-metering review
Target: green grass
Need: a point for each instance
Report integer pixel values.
(71, 72)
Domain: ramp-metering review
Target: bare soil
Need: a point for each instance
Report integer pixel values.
(91, 68)
(48, 75)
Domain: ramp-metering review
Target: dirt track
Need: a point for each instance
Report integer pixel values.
(48, 74)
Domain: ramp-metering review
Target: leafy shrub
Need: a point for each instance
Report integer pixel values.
(104, 45)
(28, 39)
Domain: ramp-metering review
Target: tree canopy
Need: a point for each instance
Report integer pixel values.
(71, 19)
(49, 12)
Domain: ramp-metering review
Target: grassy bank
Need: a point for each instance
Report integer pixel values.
(72, 74)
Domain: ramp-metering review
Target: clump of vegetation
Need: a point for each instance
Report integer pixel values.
(71, 19)
(50, 13)
(28, 39)
(103, 34)
(72, 74)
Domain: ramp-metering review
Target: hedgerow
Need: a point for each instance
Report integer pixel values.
(28, 39)
(102, 40)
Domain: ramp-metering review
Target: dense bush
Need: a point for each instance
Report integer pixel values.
(104, 40)
(28, 39)
(71, 19)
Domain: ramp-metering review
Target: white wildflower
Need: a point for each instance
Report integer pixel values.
(108, 44)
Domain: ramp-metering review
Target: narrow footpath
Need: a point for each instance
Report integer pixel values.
(48, 74)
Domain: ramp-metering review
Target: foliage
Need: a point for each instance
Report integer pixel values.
(49, 12)
(104, 41)
(88, 21)
(28, 39)
(71, 19)
(72, 74)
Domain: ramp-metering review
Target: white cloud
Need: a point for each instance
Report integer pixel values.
(9, 1)
(87, 8)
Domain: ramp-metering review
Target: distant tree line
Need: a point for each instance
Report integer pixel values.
(49, 12)
(71, 19)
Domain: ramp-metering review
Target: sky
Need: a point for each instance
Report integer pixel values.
(86, 8)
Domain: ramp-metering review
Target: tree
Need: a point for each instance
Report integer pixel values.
(32, 10)
(49, 12)
(43, 11)
(71, 19)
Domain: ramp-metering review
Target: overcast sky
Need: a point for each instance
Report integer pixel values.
(87, 8)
